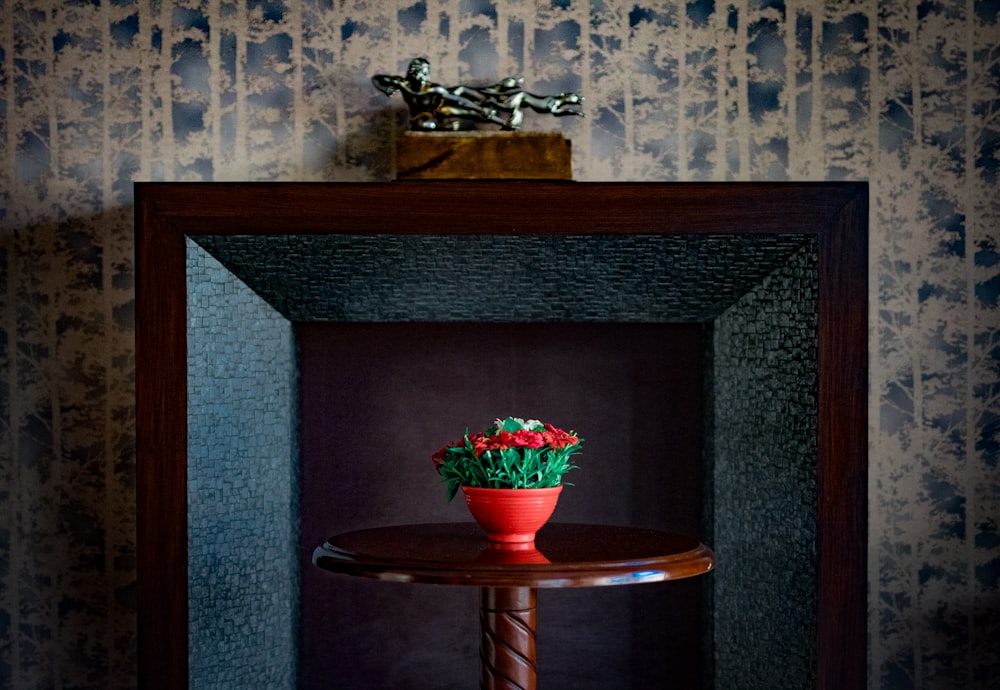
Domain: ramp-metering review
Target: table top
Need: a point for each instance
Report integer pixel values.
(563, 555)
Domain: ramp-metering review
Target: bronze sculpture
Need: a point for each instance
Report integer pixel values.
(434, 107)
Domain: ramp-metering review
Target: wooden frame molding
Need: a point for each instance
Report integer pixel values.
(835, 213)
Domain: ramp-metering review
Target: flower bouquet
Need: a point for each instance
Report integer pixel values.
(511, 475)
(510, 454)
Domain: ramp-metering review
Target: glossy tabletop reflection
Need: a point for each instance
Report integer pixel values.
(563, 555)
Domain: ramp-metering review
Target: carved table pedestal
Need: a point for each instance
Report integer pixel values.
(563, 555)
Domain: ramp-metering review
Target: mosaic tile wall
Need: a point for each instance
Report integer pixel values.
(593, 278)
(94, 96)
(243, 514)
(763, 443)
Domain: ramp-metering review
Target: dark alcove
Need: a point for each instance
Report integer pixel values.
(377, 400)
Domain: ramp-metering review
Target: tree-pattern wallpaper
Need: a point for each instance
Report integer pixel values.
(95, 95)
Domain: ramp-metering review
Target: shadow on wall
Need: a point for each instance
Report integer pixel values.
(68, 340)
(365, 153)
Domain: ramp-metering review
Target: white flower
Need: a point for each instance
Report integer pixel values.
(529, 425)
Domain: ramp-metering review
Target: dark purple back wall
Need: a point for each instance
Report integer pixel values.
(378, 399)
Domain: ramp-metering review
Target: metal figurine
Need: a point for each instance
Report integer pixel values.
(434, 107)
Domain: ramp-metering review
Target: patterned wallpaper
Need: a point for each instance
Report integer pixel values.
(95, 95)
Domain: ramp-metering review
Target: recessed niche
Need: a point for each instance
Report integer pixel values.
(378, 399)
(736, 312)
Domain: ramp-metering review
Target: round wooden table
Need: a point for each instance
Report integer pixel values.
(562, 555)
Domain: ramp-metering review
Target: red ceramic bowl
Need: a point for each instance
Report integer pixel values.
(511, 515)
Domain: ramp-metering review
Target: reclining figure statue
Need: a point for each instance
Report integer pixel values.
(455, 108)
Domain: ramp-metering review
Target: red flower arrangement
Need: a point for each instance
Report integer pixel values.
(510, 454)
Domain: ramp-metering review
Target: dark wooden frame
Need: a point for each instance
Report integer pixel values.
(167, 213)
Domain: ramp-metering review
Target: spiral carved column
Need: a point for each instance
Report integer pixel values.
(507, 651)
